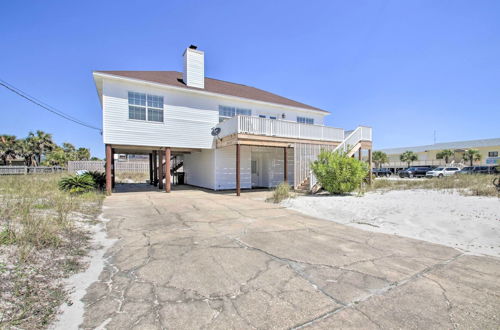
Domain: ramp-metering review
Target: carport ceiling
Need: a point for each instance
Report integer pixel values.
(145, 150)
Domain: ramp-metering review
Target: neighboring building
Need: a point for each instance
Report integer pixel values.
(488, 148)
(131, 158)
(224, 135)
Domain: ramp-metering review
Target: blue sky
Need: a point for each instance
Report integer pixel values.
(406, 68)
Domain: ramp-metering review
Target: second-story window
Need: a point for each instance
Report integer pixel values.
(143, 106)
(228, 112)
(305, 120)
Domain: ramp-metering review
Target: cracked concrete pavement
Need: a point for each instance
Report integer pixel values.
(199, 259)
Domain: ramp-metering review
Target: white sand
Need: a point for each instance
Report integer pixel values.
(71, 316)
(470, 224)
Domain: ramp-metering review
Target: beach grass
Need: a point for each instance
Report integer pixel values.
(469, 185)
(43, 239)
(134, 177)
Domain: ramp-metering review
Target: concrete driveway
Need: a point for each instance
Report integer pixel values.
(198, 259)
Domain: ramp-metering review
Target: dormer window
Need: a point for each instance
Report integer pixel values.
(145, 107)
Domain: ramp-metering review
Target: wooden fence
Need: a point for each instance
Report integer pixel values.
(135, 166)
(13, 170)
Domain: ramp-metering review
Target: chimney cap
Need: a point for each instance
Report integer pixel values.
(193, 47)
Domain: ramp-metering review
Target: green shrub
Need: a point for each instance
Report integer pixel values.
(337, 173)
(77, 183)
(99, 179)
(281, 192)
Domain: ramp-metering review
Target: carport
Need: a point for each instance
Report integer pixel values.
(160, 159)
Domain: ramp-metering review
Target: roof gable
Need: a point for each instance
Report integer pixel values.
(174, 78)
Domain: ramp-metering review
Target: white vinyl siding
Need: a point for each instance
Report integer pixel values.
(194, 68)
(182, 125)
(199, 169)
(272, 165)
(225, 168)
(188, 118)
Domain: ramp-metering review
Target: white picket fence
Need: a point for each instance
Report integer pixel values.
(135, 166)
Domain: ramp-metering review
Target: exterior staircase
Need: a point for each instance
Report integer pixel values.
(350, 145)
(304, 186)
(176, 167)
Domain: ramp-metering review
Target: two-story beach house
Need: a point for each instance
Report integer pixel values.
(224, 135)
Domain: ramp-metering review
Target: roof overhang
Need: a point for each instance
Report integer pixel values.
(98, 76)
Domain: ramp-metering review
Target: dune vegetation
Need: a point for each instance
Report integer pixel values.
(44, 238)
(469, 185)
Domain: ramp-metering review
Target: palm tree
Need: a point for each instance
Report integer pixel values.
(24, 150)
(57, 157)
(83, 154)
(69, 150)
(380, 158)
(8, 147)
(41, 143)
(408, 157)
(445, 154)
(472, 155)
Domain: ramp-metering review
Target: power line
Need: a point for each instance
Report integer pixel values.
(46, 106)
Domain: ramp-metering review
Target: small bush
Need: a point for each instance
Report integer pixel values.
(281, 192)
(77, 183)
(99, 179)
(337, 173)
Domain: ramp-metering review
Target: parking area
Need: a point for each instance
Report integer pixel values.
(199, 259)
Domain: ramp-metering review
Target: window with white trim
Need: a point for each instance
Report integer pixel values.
(146, 107)
(226, 112)
(305, 120)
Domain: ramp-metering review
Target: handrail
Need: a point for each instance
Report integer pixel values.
(280, 128)
(361, 133)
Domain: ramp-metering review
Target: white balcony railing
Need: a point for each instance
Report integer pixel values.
(362, 133)
(279, 128)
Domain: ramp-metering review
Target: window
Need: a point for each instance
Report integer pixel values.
(262, 116)
(228, 112)
(138, 113)
(305, 120)
(145, 107)
(272, 117)
(254, 166)
(492, 153)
